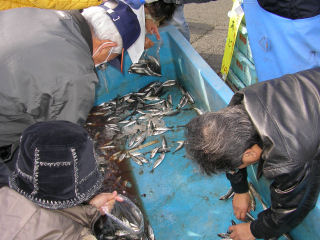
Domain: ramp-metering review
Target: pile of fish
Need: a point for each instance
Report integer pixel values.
(249, 218)
(129, 120)
(149, 66)
(133, 122)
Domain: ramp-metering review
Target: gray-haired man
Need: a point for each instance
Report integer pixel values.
(275, 124)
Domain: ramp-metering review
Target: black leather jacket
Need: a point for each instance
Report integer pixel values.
(286, 114)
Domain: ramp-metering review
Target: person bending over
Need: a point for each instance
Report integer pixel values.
(54, 188)
(274, 124)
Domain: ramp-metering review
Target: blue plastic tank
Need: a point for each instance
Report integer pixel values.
(180, 202)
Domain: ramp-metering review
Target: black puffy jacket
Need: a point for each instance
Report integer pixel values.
(286, 114)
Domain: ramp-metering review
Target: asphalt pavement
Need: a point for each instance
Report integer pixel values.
(208, 23)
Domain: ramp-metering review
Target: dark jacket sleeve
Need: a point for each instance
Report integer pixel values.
(239, 181)
(292, 197)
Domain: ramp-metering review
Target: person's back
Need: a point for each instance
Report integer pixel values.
(54, 187)
(47, 71)
(22, 219)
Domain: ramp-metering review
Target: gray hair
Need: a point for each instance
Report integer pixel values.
(102, 25)
(217, 140)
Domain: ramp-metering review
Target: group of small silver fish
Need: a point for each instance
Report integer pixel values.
(138, 115)
(249, 218)
(126, 122)
(149, 66)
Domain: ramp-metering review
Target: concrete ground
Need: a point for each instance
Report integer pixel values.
(208, 24)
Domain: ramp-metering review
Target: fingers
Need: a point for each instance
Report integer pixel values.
(107, 207)
(105, 201)
(240, 214)
(108, 43)
(156, 32)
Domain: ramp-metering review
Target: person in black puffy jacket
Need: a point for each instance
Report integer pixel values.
(276, 125)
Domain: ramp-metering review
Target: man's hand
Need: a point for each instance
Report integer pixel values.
(241, 205)
(152, 28)
(241, 232)
(105, 201)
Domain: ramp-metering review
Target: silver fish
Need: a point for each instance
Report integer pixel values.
(155, 133)
(189, 97)
(111, 125)
(136, 154)
(97, 114)
(130, 123)
(150, 233)
(249, 217)
(154, 152)
(127, 96)
(228, 195)
(141, 100)
(164, 150)
(132, 141)
(158, 161)
(130, 100)
(112, 118)
(107, 147)
(169, 99)
(164, 143)
(139, 139)
(124, 122)
(142, 159)
(252, 201)
(181, 143)
(136, 160)
(149, 94)
(224, 235)
(198, 111)
(182, 99)
(143, 117)
(155, 114)
(257, 195)
(156, 103)
(185, 101)
(169, 83)
(149, 98)
(163, 129)
(121, 233)
(141, 112)
(122, 156)
(141, 94)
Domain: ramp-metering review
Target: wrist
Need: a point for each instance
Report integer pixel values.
(148, 16)
(253, 229)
